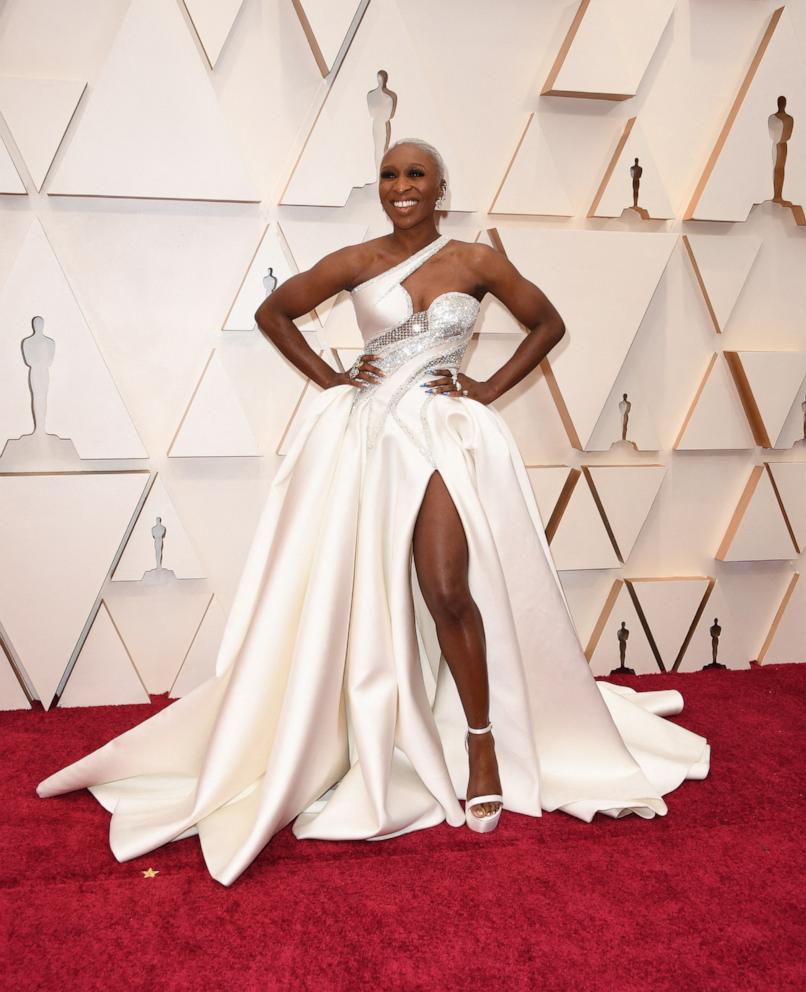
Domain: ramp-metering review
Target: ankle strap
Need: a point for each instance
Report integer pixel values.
(483, 730)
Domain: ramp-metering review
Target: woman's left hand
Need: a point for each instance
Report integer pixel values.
(471, 388)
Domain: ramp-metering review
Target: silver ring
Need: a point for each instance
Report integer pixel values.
(464, 392)
(455, 379)
(355, 368)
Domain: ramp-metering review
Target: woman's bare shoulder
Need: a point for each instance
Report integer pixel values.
(359, 260)
(474, 252)
(477, 258)
(346, 265)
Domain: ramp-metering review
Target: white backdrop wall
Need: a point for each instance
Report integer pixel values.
(158, 158)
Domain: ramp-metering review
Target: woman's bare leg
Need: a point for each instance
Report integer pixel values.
(441, 558)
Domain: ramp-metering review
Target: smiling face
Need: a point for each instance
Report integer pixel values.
(408, 185)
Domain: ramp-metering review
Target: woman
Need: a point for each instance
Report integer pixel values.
(400, 532)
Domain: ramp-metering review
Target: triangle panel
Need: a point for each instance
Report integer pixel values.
(152, 126)
(38, 113)
(212, 21)
(214, 423)
(103, 674)
(59, 534)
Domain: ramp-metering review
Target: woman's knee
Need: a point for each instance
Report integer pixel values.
(441, 554)
(448, 598)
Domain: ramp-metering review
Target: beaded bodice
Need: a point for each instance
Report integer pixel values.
(446, 327)
(410, 346)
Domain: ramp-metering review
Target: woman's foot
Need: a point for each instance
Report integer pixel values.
(483, 779)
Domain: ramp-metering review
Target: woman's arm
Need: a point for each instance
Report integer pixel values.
(526, 303)
(300, 294)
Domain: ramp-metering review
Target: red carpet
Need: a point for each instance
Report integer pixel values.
(710, 897)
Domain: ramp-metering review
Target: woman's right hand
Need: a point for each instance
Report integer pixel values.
(367, 374)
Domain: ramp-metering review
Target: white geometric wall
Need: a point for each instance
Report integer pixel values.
(164, 163)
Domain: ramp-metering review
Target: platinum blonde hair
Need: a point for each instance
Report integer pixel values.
(430, 150)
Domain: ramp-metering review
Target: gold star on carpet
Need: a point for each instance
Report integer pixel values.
(150, 873)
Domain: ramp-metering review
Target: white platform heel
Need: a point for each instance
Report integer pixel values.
(482, 824)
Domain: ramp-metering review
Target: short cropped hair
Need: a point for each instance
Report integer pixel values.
(426, 147)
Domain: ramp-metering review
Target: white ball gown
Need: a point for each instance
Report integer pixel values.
(331, 705)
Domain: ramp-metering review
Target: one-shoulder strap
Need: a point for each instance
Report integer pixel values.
(413, 262)
(397, 273)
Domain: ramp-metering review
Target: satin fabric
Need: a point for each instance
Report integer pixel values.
(331, 705)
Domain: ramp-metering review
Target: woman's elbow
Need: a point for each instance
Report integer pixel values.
(557, 331)
(261, 313)
(265, 318)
